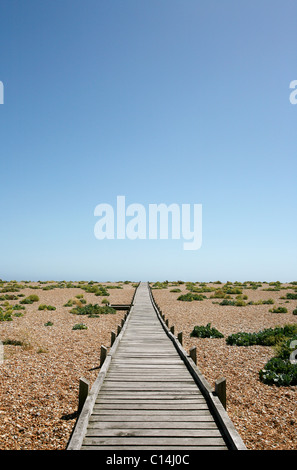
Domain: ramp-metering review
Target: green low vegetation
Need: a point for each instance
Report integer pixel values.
(190, 296)
(30, 299)
(93, 310)
(278, 310)
(266, 337)
(206, 332)
(80, 326)
(46, 307)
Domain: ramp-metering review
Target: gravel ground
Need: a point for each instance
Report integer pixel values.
(265, 416)
(39, 380)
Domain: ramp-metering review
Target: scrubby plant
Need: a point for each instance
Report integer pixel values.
(18, 307)
(206, 332)
(266, 337)
(30, 299)
(5, 316)
(291, 296)
(95, 289)
(49, 323)
(189, 297)
(175, 290)
(92, 310)
(295, 311)
(12, 342)
(160, 285)
(278, 310)
(218, 294)
(46, 307)
(80, 326)
(279, 372)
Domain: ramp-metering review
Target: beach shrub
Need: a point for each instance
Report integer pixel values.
(160, 285)
(190, 296)
(80, 326)
(93, 310)
(18, 307)
(5, 316)
(278, 371)
(295, 311)
(49, 323)
(30, 299)
(291, 296)
(266, 337)
(12, 342)
(278, 310)
(206, 332)
(95, 289)
(46, 307)
(175, 290)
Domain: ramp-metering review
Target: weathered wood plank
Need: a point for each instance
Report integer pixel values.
(201, 416)
(152, 406)
(199, 424)
(180, 433)
(154, 441)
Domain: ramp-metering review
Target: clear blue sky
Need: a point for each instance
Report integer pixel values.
(163, 101)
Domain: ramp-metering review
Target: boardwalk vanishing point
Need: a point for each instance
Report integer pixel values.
(150, 395)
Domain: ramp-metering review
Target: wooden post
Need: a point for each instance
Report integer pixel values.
(193, 354)
(172, 330)
(103, 354)
(180, 337)
(112, 338)
(167, 322)
(82, 393)
(119, 329)
(122, 323)
(220, 391)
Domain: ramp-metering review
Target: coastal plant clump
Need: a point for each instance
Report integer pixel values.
(30, 299)
(190, 296)
(206, 332)
(278, 310)
(280, 370)
(98, 290)
(46, 307)
(80, 326)
(93, 310)
(266, 337)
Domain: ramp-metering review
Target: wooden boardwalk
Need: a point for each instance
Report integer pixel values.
(147, 398)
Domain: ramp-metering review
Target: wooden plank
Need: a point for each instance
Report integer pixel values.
(177, 406)
(180, 433)
(154, 441)
(152, 401)
(156, 414)
(200, 416)
(207, 424)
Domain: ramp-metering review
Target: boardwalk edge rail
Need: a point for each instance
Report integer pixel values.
(81, 424)
(233, 439)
